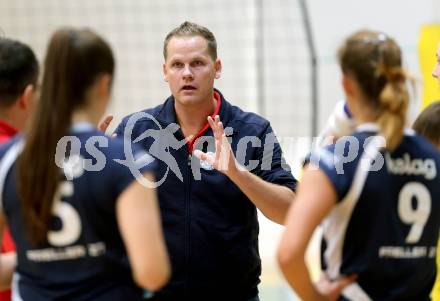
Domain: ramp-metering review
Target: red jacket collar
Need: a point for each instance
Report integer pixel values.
(206, 126)
(6, 131)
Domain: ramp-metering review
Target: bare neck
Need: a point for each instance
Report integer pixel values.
(363, 113)
(88, 115)
(192, 118)
(364, 117)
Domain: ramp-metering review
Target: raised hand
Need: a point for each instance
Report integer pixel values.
(223, 159)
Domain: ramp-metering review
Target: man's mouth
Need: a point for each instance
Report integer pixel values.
(188, 88)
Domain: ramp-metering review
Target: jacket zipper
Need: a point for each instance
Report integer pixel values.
(187, 225)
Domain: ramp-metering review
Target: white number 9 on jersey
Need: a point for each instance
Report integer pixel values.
(417, 216)
(70, 220)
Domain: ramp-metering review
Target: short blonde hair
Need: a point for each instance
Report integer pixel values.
(189, 29)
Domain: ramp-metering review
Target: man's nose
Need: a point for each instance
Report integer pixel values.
(187, 72)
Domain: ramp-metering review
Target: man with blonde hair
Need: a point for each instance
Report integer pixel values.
(209, 206)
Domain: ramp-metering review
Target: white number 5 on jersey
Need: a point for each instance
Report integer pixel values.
(70, 220)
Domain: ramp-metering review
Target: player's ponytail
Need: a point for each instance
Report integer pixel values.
(393, 99)
(374, 60)
(73, 61)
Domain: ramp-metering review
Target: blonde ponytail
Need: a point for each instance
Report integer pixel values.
(393, 101)
(375, 61)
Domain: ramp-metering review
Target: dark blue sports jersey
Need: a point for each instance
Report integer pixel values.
(84, 257)
(385, 226)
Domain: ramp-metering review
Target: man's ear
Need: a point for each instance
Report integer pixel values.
(26, 98)
(218, 68)
(164, 72)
